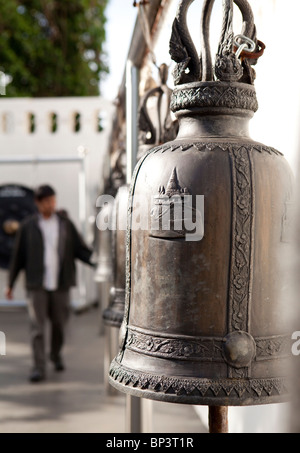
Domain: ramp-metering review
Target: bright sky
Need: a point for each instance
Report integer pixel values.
(267, 125)
(121, 17)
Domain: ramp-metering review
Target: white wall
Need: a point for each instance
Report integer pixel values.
(16, 140)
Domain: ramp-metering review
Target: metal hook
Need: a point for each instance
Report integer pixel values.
(141, 3)
(244, 44)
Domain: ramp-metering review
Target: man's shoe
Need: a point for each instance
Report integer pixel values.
(37, 376)
(58, 363)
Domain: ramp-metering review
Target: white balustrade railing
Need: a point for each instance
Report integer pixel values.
(53, 116)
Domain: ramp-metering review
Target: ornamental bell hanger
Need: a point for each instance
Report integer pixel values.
(203, 320)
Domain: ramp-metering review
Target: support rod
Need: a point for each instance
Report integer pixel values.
(133, 404)
(218, 419)
(132, 104)
(139, 412)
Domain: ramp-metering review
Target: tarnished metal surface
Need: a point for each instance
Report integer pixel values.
(113, 314)
(204, 319)
(104, 270)
(104, 275)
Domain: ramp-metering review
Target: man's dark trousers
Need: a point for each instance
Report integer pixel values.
(43, 304)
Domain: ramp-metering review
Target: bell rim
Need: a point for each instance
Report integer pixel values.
(134, 383)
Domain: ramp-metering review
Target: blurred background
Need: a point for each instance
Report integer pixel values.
(63, 121)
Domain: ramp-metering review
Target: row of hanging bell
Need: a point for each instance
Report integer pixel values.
(104, 275)
(155, 126)
(204, 310)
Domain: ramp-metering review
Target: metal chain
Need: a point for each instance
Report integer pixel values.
(243, 43)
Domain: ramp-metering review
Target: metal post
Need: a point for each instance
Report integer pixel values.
(111, 349)
(218, 419)
(82, 196)
(82, 153)
(133, 414)
(138, 411)
(132, 104)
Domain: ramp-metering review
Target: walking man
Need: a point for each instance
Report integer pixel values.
(46, 247)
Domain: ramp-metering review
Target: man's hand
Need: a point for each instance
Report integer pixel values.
(9, 293)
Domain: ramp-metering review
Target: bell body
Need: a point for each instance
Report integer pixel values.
(204, 319)
(103, 272)
(113, 315)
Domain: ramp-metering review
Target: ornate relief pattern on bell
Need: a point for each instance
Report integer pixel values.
(204, 319)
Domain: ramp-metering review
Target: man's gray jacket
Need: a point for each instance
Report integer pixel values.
(28, 253)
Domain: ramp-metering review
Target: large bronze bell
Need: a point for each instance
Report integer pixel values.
(204, 314)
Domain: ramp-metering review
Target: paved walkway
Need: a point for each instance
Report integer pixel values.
(76, 401)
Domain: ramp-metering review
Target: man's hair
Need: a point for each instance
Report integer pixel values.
(43, 192)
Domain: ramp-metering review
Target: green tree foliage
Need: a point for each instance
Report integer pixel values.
(52, 47)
